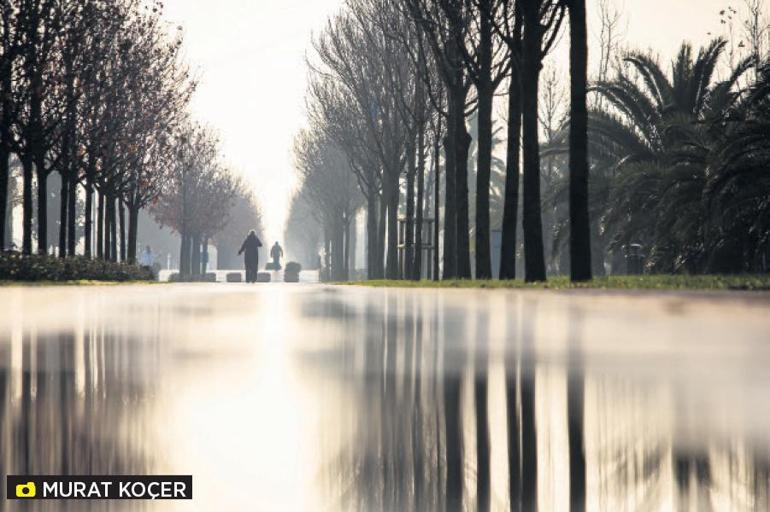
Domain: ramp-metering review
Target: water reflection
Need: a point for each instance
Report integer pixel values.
(297, 398)
(70, 403)
(470, 410)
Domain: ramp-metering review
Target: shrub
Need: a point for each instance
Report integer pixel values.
(16, 267)
(293, 267)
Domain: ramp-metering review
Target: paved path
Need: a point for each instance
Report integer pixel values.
(307, 397)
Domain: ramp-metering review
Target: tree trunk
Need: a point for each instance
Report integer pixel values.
(9, 224)
(338, 250)
(328, 255)
(195, 260)
(42, 205)
(100, 226)
(27, 205)
(461, 191)
(204, 251)
(534, 256)
(484, 156)
(512, 171)
(351, 239)
(122, 217)
(88, 227)
(383, 215)
(184, 255)
(598, 250)
(4, 210)
(112, 204)
(391, 271)
(411, 170)
(72, 212)
(63, 203)
(450, 196)
(133, 231)
(371, 234)
(580, 229)
(417, 265)
(346, 249)
(107, 228)
(436, 201)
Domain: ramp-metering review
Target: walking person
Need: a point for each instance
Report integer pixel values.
(250, 251)
(276, 252)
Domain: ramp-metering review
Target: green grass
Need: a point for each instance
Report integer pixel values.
(652, 282)
(77, 282)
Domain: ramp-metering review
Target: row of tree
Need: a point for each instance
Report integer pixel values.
(197, 196)
(404, 93)
(96, 92)
(393, 85)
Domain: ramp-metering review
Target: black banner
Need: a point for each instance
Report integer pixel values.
(108, 487)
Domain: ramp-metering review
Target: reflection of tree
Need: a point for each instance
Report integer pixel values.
(575, 413)
(481, 397)
(689, 466)
(77, 408)
(512, 413)
(412, 444)
(396, 457)
(452, 418)
(528, 428)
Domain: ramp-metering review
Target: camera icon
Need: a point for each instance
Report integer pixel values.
(26, 490)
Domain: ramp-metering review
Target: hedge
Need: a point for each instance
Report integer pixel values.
(16, 267)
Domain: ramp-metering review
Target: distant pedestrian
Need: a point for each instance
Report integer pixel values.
(276, 252)
(250, 251)
(147, 258)
(205, 260)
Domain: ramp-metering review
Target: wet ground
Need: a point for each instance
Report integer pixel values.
(306, 397)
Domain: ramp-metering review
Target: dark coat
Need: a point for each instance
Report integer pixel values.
(276, 252)
(250, 248)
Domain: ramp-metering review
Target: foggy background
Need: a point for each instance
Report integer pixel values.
(250, 58)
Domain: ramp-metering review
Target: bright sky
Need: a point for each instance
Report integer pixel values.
(250, 58)
(250, 55)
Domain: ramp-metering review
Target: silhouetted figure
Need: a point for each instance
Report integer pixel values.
(204, 261)
(276, 252)
(147, 258)
(250, 251)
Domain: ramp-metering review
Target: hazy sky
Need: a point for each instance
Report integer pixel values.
(249, 55)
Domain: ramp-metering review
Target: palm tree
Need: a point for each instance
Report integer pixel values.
(658, 139)
(738, 186)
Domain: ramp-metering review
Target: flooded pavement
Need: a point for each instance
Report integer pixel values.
(307, 397)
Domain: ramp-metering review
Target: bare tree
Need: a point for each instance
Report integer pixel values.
(541, 23)
(445, 26)
(580, 227)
